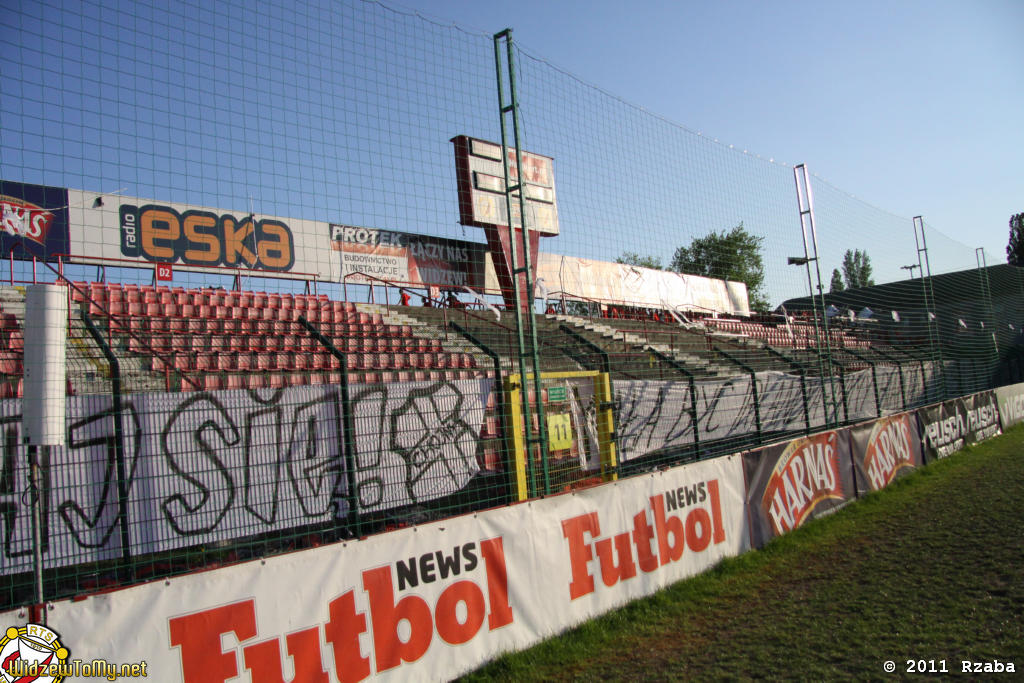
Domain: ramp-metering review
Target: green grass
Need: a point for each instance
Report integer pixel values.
(930, 568)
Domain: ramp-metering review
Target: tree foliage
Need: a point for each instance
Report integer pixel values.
(727, 255)
(837, 281)
(633, 259)
(1015, 248)
(857, 269)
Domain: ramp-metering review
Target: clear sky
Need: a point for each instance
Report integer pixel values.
(343, 110)
(916, 107)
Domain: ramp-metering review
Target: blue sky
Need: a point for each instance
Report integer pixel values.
(915, 107)
(342, 111)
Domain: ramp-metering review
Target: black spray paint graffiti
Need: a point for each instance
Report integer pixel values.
(655, 415)
(416, 443)
(92, 522)
(217, 452)
(652, 415)
(223, 465)
(86, 516)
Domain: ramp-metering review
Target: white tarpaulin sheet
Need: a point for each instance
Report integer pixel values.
(651, 415)
(619, 283)
(214, 466)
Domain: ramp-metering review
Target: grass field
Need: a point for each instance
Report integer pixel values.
(931, 568)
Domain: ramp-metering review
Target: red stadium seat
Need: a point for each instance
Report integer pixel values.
(10, 363)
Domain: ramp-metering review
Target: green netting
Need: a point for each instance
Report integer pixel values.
(243, 431)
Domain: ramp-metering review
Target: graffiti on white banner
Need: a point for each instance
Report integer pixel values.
(213, 466)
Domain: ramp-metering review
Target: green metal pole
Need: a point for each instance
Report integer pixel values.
(118, 411)
(524, 352)
(874, 378)
(693, 395)
(753, 388)
(354, 520)
(510, 461)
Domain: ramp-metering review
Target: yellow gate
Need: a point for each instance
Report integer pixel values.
(580, 425)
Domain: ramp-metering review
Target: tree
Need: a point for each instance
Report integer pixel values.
(837, 281)
(857, 269)
(633, 259)
(733, 255)
(1015, 249)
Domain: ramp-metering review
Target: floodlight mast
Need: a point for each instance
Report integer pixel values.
(934, 331)
(805, 204)
(529, 360)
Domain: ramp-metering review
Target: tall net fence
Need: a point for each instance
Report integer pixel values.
(281, 232)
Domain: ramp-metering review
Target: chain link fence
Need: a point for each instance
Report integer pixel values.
(290, 320)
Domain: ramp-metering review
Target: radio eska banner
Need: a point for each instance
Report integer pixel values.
(33, 220)
(790, 483)
(885, 449)
(91, 228)
(421, 603)
(947, 427)
(1011, 404)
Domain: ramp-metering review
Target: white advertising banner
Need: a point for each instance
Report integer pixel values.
(422, 603)
(215, 466)
(651, 415)
(1011, 404)
(576, 277)
(130, 230)
(191, 237)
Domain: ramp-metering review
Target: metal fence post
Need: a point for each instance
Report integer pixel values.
(354, 521)
(753, 389)
(122, 477)
(510, 467)
(874, 378)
